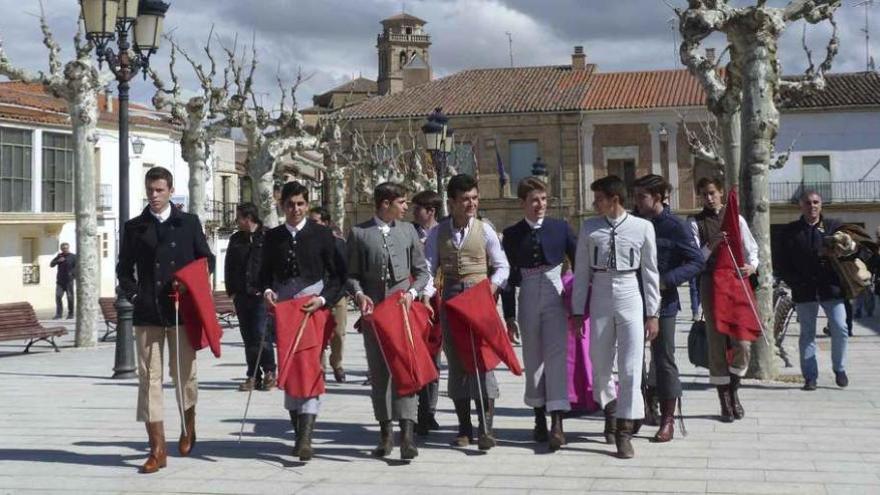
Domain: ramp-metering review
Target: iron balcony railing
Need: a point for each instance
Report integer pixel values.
(222, 215)
(831, 192)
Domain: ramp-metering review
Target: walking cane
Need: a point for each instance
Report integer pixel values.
(251, 391)
(175, 295)
(479, 385)
(409, 336)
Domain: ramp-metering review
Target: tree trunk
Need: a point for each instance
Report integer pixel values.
(198, 199)
(760, 124)
(84, 117)
(731, 133)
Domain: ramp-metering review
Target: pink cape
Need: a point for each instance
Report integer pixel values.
(580, 370)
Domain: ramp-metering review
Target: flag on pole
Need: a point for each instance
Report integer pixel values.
(502, 175)
(197, 306)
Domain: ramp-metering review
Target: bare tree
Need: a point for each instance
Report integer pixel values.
(201, 119)
(78, 82)
(746, 95)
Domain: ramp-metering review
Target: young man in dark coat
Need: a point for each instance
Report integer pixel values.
(155, 244)
(678, 260)
(242, 275)
(321, 216)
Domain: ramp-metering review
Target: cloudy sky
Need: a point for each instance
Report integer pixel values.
(334, 40)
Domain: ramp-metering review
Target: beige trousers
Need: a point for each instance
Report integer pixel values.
(150, 345)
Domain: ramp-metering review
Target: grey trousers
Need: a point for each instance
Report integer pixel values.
(387, 405)
(430, 394)
(460, 384)
(719, 369)
(663, 372)
(543, 323)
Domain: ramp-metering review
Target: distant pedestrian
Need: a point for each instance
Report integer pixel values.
(66, 263)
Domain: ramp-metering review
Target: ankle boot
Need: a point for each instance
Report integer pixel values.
(408, 448)
(623, 439)
(294, 420)
(305, 429)
(667, 421)
(487, 438)
(385, 444)
(188, 440)
(610, 411)
(465, 426)
(738, 411)
(726, 403)
(158, 457)
(539, 433)
(557, 436)
(652, 412)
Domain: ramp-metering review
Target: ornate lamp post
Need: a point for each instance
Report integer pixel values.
(106, 20)
(439, 141)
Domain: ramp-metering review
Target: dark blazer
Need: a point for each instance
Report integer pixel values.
(313, 257)
(244, 256)
(678, 259)
(66, 269)
(803, 267)
(368, 260)
(557, 241)
(150, 254)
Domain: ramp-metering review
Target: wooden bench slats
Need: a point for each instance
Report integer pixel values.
(18, 321)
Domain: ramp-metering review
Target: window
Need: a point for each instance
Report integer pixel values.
(463, 159)
(57, 172)
(15, 169)
(522, 155)
(817, 175)
(626, 170)
(245, 190)
(30, 266)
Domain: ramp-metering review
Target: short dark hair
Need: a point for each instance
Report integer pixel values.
(460, 184)
(64, 244)
(528, 185)
(705, 182)
(322, 212)
(610, 186)
(654, 184)
(292, 189)
(428, 200)
(249, 211)
(388, 191)
(159, 173)
(810, 192)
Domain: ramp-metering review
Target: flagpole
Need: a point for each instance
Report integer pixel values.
(251, 391)
(742, 282)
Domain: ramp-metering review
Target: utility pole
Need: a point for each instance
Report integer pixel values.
(510, 46)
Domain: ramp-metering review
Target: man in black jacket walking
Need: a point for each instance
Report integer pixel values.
(806, 268)
(66, 263)
(155, 244)
(242, 275)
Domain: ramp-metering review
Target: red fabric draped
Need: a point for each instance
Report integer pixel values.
(435, 336)
(300, 373)
(474, 324)
(733, 298)
(197, 306)
(406, 353)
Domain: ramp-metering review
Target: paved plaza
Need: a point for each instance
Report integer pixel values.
(66, 426)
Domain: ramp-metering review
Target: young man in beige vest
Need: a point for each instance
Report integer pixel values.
(464, 248)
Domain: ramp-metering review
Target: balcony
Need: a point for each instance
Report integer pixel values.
(831, 192)
(404, 38)
(105, 197)
(221, 216)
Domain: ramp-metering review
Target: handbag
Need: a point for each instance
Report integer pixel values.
(698, 344)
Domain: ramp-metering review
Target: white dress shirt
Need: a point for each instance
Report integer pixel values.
(750, 246)
(163, 215)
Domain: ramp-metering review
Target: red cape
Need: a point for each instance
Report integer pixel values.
(474, 324)
(300, 374)
(197, 306)
(435, 336)
(409, 361)
(733, 298)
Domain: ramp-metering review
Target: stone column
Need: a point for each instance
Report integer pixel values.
(587, 167)
(656, 167)
(672, 152)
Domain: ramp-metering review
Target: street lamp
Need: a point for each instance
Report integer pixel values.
(439, 141)
(138, 145)
(106, 20)
(539, 169)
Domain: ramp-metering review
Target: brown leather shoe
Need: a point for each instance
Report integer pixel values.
(557, 436)
(339, 375)
(383, 449)
(724, 397)
(158, 457)
(540, 433)
(269, 381)
(623, 439)
(247, 385)
(667, 422)
(188, 440)
(610, 428)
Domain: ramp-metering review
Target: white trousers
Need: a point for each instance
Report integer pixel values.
(617, 328)
(543, 323)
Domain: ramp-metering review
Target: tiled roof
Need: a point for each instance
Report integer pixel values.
(403, 16)
(31, 103)
(359, 85)
(851, 89)
(643, 90)
(486, 91)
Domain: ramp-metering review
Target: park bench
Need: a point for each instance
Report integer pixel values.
(108, 310)
(225, 308)
(18, 321)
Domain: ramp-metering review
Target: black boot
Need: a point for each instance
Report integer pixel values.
(540, 434)
(306, 427)
(726, 403)
(294, 420)
(623, 439)
(408, 448)
(738, 411)
(385, 444)
(487, 438)
(652, 407)
(610, 428)
(557, 436)
(465, 426)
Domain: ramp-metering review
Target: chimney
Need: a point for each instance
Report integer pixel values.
(710, 55)
(578, 59)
